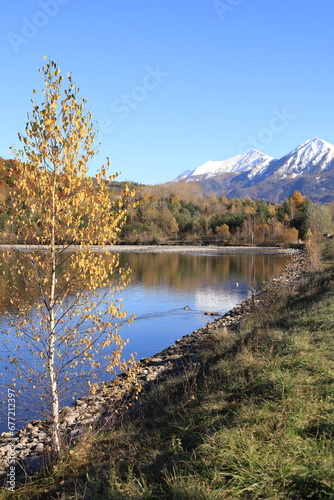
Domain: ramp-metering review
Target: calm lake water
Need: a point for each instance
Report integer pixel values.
(163, 284)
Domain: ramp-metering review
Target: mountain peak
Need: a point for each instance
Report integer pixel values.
(239, 163)
(316, 144)
(253, 151)
(309, 156)
(308, 168)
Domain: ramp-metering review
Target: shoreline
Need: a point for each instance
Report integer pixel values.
(106, 403)
(193, 249)
(183, 249)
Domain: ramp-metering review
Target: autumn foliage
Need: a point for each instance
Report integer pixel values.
(52, 203)
(181, 213)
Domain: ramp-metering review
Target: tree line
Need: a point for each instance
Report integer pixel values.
(181, 212)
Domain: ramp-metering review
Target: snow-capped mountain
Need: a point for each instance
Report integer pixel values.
(308, 168)
(239, 163)
(308, 157)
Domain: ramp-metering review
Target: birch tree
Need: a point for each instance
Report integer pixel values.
(60, 214)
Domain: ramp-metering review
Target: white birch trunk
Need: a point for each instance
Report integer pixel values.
(52, 338)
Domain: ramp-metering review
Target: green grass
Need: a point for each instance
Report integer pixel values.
(256, 421)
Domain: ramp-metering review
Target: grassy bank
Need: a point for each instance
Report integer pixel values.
(254, 421)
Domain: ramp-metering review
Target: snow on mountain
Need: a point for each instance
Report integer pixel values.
(309, 168)
(244, 161)
(183, 175)
(305, 159)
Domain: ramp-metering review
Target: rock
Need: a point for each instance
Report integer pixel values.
(6, 435)
(68, 415)
(31, 444)
(75, 433)
(156, 360)
(87, 421)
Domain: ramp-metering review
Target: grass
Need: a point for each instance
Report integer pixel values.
(256, 421)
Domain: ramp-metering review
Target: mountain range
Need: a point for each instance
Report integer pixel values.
(309, 168)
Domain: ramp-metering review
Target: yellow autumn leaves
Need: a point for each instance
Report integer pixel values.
(73, 330)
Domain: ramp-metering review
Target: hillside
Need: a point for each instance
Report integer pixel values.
(183, 213)
(309, 168)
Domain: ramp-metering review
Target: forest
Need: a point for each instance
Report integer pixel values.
(180, 213)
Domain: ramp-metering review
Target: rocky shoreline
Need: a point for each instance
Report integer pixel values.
(193, 249)
(183, 249)
(28, 449)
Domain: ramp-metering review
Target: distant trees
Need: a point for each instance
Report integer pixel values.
(181, 212)
(164, 215)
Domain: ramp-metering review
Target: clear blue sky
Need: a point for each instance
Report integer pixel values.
(173, 84)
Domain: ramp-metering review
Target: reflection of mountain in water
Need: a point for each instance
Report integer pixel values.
(221, 302)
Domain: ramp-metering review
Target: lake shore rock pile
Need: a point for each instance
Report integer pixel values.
(31, 445)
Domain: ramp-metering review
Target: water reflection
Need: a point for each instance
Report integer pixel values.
(162, 285)
(178, 271)
(187, 272)
(177, 280)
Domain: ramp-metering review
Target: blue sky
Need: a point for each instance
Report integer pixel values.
(173, 84)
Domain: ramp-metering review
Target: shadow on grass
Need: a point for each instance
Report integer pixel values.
(307, 487)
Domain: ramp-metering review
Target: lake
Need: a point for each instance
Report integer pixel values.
(164, 284)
